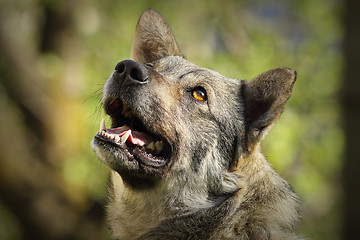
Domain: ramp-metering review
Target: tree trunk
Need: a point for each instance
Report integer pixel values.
(351, 116)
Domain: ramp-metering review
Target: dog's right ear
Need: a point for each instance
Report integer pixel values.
(264, 100)
(153, 38)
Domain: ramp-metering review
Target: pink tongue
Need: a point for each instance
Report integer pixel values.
(137, 138)
(118, 131)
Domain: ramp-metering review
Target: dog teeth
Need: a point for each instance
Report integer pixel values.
(127, 111)
(125, 108)
(115, 137)
(159, 146)
(125, 136)
(102, 125)
(112, 101)
(154, 147)
(151, 146)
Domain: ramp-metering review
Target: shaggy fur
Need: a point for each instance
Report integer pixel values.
(209, 180)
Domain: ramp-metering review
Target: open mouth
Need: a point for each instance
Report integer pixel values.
(129, 134)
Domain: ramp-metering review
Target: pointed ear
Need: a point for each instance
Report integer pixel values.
(264, 100)
(153, 38)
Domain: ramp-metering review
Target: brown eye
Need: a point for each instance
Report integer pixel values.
(199, 94)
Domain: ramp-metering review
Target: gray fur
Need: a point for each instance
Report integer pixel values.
(216, 183)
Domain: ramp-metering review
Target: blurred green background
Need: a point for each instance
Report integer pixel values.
(55, 56)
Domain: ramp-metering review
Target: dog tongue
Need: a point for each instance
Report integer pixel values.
(135, 137)
(118, 131)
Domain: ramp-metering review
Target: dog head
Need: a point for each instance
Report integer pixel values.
(172, 120)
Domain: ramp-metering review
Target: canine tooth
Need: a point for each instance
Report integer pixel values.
(117, 138)
(125, 108)
(112, 101)
(102, 125)
(159, 146)
(112, 136)
(125, 136)
(150, 146)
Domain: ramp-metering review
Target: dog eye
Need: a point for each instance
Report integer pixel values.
(199, 94)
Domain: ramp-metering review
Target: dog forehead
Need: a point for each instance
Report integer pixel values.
(189, 74)
(174, 65)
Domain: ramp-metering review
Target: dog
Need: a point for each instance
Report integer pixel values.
(183, 147)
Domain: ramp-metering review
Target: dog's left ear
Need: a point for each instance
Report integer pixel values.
(264, 100)
(153, 38)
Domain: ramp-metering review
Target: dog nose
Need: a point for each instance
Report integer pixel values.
(131, 72)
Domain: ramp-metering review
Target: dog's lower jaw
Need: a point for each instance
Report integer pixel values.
(134, 173)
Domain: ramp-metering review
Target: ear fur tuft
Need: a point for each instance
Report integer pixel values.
(153, 38)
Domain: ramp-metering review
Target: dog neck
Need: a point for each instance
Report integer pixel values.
(157, 214)
(149, 214)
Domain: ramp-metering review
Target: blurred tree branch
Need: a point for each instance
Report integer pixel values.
(29, 184)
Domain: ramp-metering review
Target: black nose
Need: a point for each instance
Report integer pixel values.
(130, 71)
